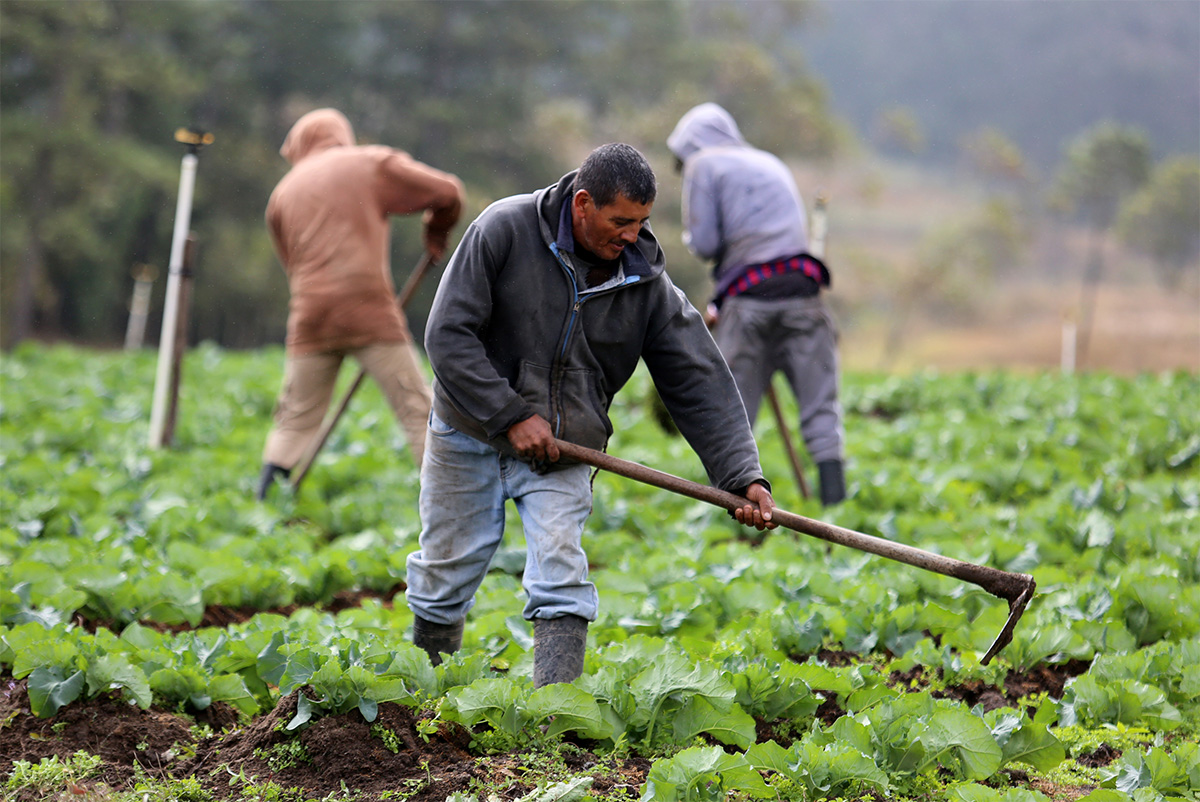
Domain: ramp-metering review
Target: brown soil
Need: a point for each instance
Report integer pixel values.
(121, 734)
(1102, 756)
(334, 752)
(339, 751)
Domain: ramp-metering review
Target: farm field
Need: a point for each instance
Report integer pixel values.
(163, 636)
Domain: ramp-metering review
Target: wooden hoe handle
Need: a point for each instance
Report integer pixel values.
(1016, 589)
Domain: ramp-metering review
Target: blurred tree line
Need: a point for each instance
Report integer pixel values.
(506, 95)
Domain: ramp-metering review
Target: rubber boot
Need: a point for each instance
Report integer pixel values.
(558, 646)
(437, 639)
(833, 482)
(267, 478)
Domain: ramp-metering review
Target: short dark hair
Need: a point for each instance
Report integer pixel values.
(617, 167)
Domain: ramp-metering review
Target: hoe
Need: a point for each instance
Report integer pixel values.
(1016, 589)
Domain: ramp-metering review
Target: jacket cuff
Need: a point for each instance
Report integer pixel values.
(746, 487)
(511, 413)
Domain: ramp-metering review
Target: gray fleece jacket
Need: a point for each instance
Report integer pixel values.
(740, 204)
(511, 334)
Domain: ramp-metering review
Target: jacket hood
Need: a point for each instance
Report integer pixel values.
(317, 131)
(705, 126)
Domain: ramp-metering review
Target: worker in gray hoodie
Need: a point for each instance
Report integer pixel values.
(743, 212)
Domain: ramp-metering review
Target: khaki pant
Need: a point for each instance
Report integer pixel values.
(308, 383)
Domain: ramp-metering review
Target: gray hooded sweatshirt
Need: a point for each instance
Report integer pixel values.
(511, 334)
(740, 204)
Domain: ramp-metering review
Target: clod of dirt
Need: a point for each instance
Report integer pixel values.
(120, 733)
(1101, 756)
(332, 751)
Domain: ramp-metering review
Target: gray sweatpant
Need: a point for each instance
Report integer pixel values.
(797, 336)
(308, 383)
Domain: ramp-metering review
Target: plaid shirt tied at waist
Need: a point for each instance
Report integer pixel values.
(738, 281)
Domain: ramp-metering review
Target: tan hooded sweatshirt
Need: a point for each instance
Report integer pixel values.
(328, 220)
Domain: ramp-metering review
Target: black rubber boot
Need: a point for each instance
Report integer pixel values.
(833, 482)
(558, 646)
(267, 478)
(437, 639)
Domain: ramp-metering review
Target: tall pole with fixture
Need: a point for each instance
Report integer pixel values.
(194, 140)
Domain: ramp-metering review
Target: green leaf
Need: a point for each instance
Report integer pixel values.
(1154, 769)
(960, 740)
(271, 662)
(302, 664)
(39, 651)
(1105, 795)
(369, 709)
(703, 773)
(572, 791)
(972, 792)
(232, 688)
(572, 710)
(674, 676)
(841, 767)
(390, 689)
(175, 685)
(735, 727)
(824, 765)
(770, 756)
(774, 693)
(304, 712)
(49, 690)
(111, 672)
(492, 700)
(412, 664)
(1023, 740)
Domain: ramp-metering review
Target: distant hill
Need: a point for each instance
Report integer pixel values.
(1041, 71)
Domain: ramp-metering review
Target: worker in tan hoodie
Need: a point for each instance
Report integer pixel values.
(328, 220)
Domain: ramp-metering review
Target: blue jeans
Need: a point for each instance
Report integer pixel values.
(464, 487)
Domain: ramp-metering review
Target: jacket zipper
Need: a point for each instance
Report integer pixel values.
(560, 360)
(556, 371)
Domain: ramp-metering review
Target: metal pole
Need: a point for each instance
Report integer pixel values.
(181, 328)
(183, 216)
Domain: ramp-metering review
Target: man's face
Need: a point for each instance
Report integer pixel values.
(606, 230)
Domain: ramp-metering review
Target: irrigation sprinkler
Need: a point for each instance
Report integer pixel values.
(1016, 589)
(194, 140)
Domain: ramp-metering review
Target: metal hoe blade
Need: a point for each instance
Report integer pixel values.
(1016, 608)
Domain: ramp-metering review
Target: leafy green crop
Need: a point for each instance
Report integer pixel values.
(111, 554)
